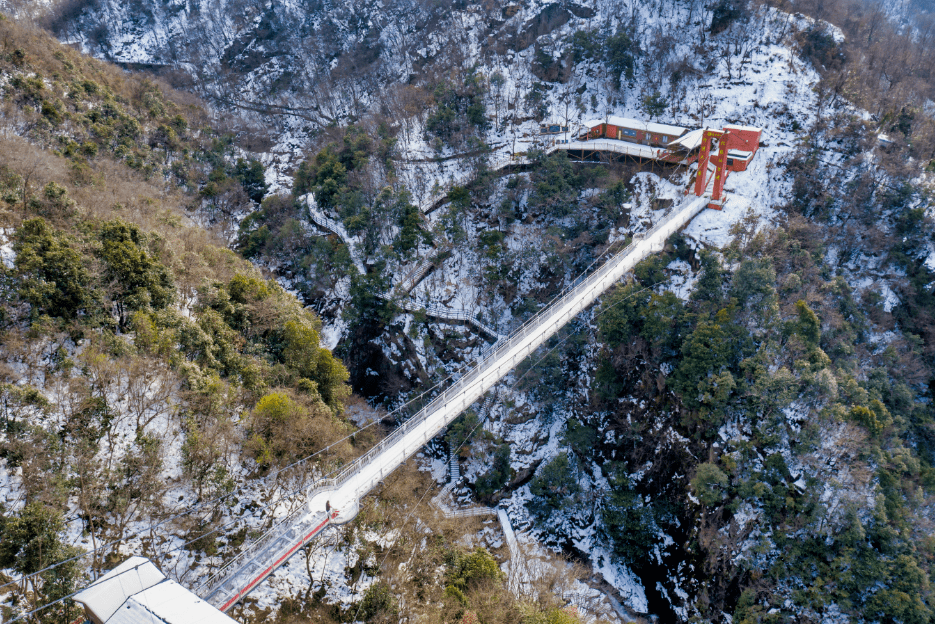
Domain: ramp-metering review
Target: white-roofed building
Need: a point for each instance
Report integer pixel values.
(688, 141)
(633, 131)
(136, 591)
(674, 145)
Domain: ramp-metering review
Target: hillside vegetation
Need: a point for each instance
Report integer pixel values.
(139, 355)
(741, 431)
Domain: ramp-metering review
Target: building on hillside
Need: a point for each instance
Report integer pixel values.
(742, 144)
(720, 152)
(662, 143)
(136, 592)
(644, 141)
(633, 131)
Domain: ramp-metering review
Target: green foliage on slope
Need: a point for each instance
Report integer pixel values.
(127, 333)
(747, 352)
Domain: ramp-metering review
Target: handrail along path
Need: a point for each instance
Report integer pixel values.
(336, 500)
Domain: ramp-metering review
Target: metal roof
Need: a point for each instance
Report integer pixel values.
(107, 593)
(636, 124)
(168, 603)
(689, 141)
(137, 592)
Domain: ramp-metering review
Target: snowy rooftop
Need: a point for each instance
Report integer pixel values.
(110, 591)
(737, 127)
(615, 145)
(636, 124)
(136, 591)
(168, 602)
(689, 141)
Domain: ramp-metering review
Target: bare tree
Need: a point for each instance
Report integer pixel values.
(149, 385)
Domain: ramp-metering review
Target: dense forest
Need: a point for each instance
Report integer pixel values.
(226, 269)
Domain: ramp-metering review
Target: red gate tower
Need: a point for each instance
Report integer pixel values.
(736, 146)
(705, 159)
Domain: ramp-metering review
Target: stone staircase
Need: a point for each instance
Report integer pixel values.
(454, 468)
(447, 314)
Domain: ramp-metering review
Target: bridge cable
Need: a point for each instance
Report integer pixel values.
(514, 383)
(187, 512)
(172, 550)
(300, 461)
(236, 490)
(221, 527)
(303, 487)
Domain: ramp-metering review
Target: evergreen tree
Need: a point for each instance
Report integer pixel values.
(251, 175)
(54, 277)
(620, 52)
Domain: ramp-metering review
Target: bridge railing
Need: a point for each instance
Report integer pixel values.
(576, 290)
(211, 585)
(532, 325)
(414, 276)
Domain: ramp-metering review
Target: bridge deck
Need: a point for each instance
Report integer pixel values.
(344, 492)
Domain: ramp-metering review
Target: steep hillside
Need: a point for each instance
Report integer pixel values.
(741, 432)
(160, 395)
(148, 373)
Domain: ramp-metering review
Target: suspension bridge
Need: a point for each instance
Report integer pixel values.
(337, 500)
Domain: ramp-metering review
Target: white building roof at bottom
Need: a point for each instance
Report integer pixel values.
(167, 603)
(137, 592)
(110, 591)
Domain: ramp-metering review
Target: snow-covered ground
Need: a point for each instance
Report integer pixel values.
(771, 88)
